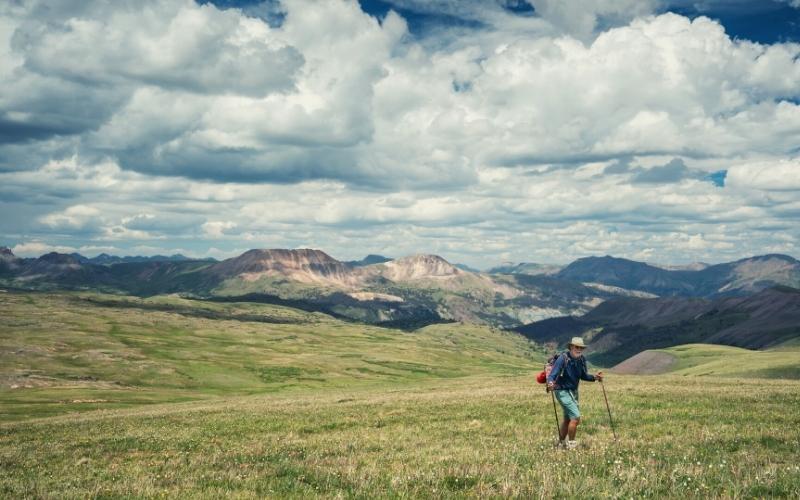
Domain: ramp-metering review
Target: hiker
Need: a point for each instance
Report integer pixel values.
(568, 370)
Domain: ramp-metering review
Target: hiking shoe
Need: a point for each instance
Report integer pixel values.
(571, 445)
(560, 444)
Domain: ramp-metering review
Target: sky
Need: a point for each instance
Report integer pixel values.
(482, 131)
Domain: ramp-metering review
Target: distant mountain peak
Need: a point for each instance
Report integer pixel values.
(423, 258)
(283, 255)
(369, 260)
(80, 258)
(420, 266)
(373, 256)
(58, 258)
(608, 258)
(531, 268)
(770, 256)
(304, 265)
(606, 265)
(7, 259)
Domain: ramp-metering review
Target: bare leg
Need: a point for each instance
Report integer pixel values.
(572, 428)
(562, 434)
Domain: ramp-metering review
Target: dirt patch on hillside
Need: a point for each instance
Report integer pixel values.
(646, 363)
(366, 296)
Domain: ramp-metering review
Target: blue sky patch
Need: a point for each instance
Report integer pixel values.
(718, 178)
(762, 21)
(420, 22)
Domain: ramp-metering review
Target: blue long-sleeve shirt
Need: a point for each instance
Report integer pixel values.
(574, 371)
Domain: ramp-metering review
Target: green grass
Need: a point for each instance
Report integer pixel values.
(481, 436)
(111, 351)
(166, 397)
(725, 361)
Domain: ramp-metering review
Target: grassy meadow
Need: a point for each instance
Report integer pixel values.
(64, 352)
(478, 436)
(782, 361)
(114, 396)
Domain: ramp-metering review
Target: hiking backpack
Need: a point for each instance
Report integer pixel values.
(548, 367)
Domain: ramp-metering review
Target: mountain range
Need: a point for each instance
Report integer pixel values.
(405, 292)
(621, 327)
(106, 259)
(524, 268)
(408, 291)
(732, 278)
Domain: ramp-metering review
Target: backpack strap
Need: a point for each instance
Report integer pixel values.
(564, 364)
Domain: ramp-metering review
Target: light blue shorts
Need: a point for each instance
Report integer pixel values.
(569, 402)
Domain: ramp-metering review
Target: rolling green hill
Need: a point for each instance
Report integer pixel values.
(717, 360)
(62, 352)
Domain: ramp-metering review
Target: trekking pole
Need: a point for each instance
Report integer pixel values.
(555, 414)
(611, 420)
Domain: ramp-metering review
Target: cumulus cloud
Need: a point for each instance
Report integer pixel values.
(661, 85)
(164, 224)
(618, 166)
(37, 248)
(217, 229)
(313, 131)
(94, 250)
(354, 100)
(780, 175)
(588, 127)
(563, 213)
(74, 217)
(68, 68)
(581, 18)
(175, 44)
(674, 171)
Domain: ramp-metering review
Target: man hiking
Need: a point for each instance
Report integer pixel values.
(568, 370)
